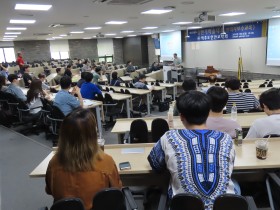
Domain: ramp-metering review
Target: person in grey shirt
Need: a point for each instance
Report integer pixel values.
(129, 67)
(141, 83)
(176, 61)
(14, 88)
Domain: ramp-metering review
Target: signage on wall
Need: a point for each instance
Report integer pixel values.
(237, 31)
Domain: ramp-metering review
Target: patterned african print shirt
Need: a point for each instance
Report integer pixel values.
(199, 162)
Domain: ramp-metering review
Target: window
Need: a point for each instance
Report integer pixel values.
(59, 49)
(7, 55)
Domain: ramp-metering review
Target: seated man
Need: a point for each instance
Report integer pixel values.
(68, 71)
(26, 76)
(243, 101)
(45, 86)
(212, 80)
(4, 70)
(215, 121)
(199, 160)
(58, 76)
(82, 80)
(97, 74)
(115, 81)
(66, 101)
(14, 88)
(270, 102)
(88, 90)
(129, 67)
(141, 83)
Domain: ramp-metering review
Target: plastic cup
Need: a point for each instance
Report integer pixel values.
(101, 143)
(261, 149)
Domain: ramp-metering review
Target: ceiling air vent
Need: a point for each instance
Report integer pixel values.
(122, 2)
(62, 25)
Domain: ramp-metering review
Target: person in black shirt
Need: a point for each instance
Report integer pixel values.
(68, 71)
(26, 76)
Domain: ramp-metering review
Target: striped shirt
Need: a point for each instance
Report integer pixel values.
(243, 101)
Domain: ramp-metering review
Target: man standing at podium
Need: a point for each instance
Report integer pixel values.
(176, 61)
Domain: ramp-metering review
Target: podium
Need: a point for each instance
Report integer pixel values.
(170, 72)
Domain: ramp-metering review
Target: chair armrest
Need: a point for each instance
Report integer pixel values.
(129, 198)
(251, 203)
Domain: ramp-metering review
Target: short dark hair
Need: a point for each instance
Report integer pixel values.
(83, 74)
(12, 77)
(88, 77)
(25, 67)
(194, 106)
(175, 54)
(212, 79)
(271, 98)
(98, 69)
(65, 82)
(41, 75)
(142, 76)
(69, 66)
(115, 75)
(233, 84)
(58, 70)
(128, 62)
(219, 98)
(189, 84)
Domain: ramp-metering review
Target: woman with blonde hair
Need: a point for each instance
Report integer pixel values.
(80, 168)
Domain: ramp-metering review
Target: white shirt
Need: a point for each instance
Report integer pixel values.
(265, 126)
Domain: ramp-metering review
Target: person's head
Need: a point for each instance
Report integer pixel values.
(34, 90)
(88, 77)
(2, 81)
(115, 75)
(86, 62)
(69, 67)
(142, 78)
(270, 100)
(189, 84)
(194, 107)
(5, 65)
(219, 98)
(233, 84)
(58, 70)
(77, 146)
(79, 61)
(98, 69)
(83, 74)
(26, 68)
(65, 82)
(42, 77)
(128, 63)
(212, 79)
(175, 55)
(19, 54)
(13, 78)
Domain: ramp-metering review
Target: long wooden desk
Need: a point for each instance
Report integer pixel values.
(142, 174)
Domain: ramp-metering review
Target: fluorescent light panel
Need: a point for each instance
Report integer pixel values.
(77, 32)
(119, 37)
(38, 7)
(16, 28)
(114, 22)
(149, 27)
(110, 34)
(276, 16)
(156, 11)
(126, 32)
(147, 33)
(63, 35)
(166, 31)
(231, 23)
(181, 23)
(92, 28)
(23, 21)
(57, 37)
(131, 35)
(9, 36)
(230, 14)
(195, 27)
(87, 38)
(8, 33)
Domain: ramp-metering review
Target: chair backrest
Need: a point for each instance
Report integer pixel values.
(131, 85)
(272, 136)
(217, 84)
(108, 99)
(107, 89)
(247, 90)
(270, 85)
(126, 85)
(126, 91)
(122, 91)
(112, 89)
(262, 86)
(245, 86)
(47, 105)
(159, 127)
(186, 201)
(230, 202)
(98, 97)
(56, 113)
(109, 199)
(68, 204)
(138, 131)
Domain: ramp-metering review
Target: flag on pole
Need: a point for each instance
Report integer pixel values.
(240, 65)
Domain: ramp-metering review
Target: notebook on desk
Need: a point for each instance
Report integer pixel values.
(88, 102)
(132, 150)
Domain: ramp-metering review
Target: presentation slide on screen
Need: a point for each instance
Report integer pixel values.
(273, 43)
(170, 43)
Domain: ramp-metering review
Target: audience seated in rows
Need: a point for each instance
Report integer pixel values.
(68, 71)
(244, 101)
(270, 103)
(88, 90)
(66, 101)
(58, 76)
(14, 88)
(215, 121)
(155, 66)
(194, 156)
(80, 168)
(115, 81)
(3, 86)
(26, 76)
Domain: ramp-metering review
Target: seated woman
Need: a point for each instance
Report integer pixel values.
(80, 168)
(34, 95)
(115, 81)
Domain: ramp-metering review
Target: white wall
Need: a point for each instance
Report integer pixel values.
(224, 55)
(105, 47)
(59, 46)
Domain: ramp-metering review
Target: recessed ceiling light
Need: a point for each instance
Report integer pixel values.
(231, 23)
(12, 32)
(87, 38)
(92, 28)
(233, 14)
(32, 7)
(114, 22)
(149, 27)
(147, 33)
(23, 21)
(50, 39)
(156, 11)
(63, 35)
(119, 37)
(182, 23)
(276, 16)
(16, 28)
(94, 36)
(9, 36)
(77, 32)
(131, 35)
(57, 37)
(166, 31)
(195, 27)
(126, 32)
(110, 34)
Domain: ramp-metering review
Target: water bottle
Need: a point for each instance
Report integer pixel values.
(234, 112)
(170, 116)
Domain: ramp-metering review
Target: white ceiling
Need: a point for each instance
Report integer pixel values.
(85, 13)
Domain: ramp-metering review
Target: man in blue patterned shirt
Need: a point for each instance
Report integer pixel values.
(200, 161)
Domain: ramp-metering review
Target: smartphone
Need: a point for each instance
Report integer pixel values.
(124, 166)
